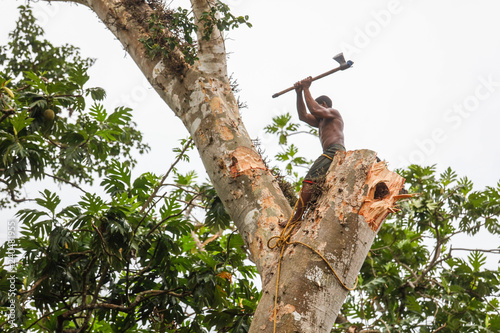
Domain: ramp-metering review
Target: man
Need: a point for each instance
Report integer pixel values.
(331, 134)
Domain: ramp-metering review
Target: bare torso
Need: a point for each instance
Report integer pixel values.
(331, 131)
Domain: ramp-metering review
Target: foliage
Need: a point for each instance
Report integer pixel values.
(151, 253)
(221, 17)
(284, 128)
(414, 280)
(44, 130)
(170, 29)
(159, 43)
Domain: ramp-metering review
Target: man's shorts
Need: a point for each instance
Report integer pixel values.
(321, 165)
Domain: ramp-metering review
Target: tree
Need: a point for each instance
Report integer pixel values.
(195, 85)
(130, 254)
(108, 262)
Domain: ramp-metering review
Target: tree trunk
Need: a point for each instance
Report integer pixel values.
(200, 95)
(357, 195)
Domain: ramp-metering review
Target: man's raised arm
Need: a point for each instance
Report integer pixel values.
(317, 110)
(301, 107)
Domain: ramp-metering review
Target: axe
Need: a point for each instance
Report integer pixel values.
(338, 58)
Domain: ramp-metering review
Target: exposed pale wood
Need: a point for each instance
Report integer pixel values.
(376, 210)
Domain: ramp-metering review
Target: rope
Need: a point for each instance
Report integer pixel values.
(282, 241)
(325, 155)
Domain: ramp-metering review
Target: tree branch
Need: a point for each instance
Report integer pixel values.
(408, 268)
(12, 193)
(45, 315)
(81, 2)
(434, 261)
(439, 329)
(65, 181)
(35, 285)
(103, 242)
(211, 52)
(172, 216)
(6, 114)
(142, 296)
(162, 181)
(385, 324)
(495, 251)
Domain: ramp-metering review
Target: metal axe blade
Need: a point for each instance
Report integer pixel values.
(340, 58)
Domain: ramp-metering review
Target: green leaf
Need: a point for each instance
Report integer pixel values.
(78, 74)
(97, 93)
(20, 121)
(120, 116)
(93, 204)
(49, 201)
(98, 112)
(477, 260)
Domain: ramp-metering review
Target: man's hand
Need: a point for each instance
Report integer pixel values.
(306, 83)
(298, 87)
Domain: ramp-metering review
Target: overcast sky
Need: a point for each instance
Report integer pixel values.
(425, 86)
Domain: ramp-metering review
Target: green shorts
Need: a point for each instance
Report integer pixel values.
(321, 165)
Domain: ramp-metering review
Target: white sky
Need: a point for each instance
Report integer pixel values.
(425, 86)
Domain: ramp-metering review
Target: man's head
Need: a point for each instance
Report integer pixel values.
(324, 99)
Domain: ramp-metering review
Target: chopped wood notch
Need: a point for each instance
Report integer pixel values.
(245, 161)
(384, 188)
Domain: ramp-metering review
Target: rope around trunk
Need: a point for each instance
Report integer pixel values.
(282, 241)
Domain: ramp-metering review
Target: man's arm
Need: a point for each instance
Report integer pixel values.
(317, 110)
(301, 108)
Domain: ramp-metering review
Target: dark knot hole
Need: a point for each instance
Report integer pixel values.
(381, 191)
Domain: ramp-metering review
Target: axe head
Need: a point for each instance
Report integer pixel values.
(340, 58)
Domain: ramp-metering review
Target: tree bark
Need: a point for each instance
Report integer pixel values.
(201, 96)
(357, 195)
(342, 226)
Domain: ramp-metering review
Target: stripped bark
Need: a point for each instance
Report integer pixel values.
(201, 96)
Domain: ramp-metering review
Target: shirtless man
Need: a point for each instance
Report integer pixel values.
(331, 134)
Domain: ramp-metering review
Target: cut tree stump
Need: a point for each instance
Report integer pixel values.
(358, 195)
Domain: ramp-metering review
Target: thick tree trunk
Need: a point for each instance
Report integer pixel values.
(309, 295)
(357, 196)
(201, 96)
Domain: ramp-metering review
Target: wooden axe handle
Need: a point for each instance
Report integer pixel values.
(340, 68)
